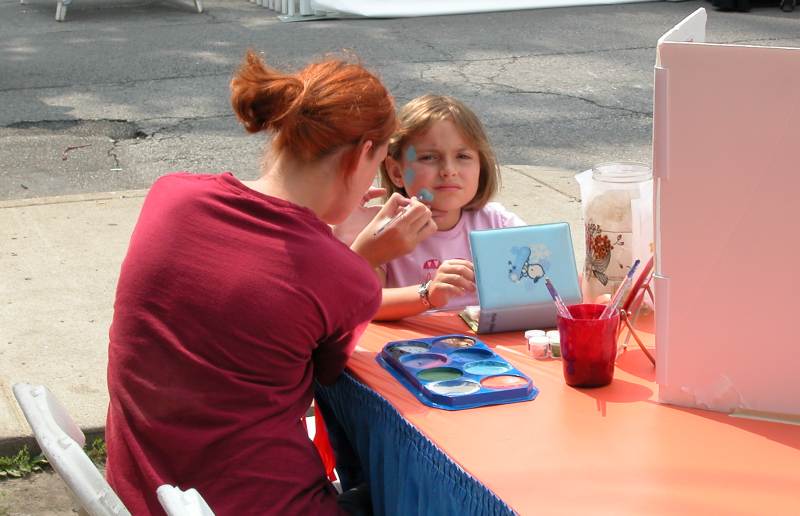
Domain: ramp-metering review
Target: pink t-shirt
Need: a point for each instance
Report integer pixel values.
(420, 265)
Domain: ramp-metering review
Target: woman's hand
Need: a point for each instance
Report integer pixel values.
(395, 230)
(453, 278)
(348, 230)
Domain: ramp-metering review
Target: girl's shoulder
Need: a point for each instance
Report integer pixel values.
(495, 215)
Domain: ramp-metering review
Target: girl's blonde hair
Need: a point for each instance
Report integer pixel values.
(419, 115)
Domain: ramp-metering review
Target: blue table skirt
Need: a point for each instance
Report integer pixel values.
(407, 473)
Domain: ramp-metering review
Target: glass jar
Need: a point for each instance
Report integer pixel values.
(617, 207)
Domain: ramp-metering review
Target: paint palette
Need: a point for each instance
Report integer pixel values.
(455, 372)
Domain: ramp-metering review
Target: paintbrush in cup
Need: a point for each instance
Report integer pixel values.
(560, 306)
(616, 299)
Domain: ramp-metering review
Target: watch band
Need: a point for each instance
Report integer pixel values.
(423, 294)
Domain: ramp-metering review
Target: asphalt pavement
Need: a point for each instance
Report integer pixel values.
(93, 109)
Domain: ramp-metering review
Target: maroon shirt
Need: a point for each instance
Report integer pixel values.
(229, 304)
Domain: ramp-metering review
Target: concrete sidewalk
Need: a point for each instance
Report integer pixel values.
(59, 261)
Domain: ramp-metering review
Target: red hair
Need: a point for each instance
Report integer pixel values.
(325, 106)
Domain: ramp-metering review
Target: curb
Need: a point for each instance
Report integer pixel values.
(64, 199)
(9, 446)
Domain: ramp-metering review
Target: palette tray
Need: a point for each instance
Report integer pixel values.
(455, 372)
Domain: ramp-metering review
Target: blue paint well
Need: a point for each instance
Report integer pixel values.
(486, 367)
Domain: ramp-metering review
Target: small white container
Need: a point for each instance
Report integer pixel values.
(537, 346)
(554, 342)
(534, 333)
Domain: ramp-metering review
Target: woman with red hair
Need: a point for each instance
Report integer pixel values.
(235, 296)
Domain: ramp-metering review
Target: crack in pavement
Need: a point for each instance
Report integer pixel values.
(447, 59)
(578, 52)
(513, 90)
(112, 153)
(634, 112)
(114, 129)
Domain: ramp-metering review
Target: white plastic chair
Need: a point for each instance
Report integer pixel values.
(61, 8)
(62, 443)
(182, 503)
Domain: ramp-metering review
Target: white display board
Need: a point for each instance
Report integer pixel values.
(726, 120)
(408, 8)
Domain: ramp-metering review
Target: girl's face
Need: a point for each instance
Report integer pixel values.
(441, 169)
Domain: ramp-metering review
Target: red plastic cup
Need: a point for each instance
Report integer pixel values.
(588, 346)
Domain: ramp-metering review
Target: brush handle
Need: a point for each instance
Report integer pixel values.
(560, 306)
(395, 217)
(386, 224)
(616, 299)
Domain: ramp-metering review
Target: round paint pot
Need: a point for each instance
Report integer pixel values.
(421, 360)
(555, 344)
(534, 333)
(454, 387)
(486, 367)
(470, 354)
(436, 374)
(537, 345)
(456, 342)
(506, 381)
(410, 347)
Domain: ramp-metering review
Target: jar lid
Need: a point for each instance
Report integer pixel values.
(533, 333)
(622, 172)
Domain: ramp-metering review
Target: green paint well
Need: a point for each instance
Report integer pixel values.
(438, 374)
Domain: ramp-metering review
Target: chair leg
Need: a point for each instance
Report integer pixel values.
(199, 5)
(61, 11)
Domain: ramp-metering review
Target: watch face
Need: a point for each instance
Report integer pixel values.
(423, 293)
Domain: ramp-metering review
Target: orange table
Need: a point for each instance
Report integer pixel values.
(609, 450)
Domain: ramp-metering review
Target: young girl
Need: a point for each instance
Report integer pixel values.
(441, 156)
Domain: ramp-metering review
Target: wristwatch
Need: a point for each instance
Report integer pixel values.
(423, 294)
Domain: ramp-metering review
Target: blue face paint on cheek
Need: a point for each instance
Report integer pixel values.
(408, 176)
(425, 195)
(408, 173)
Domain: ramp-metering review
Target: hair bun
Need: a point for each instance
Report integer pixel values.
(328, 105)
(262, 97)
